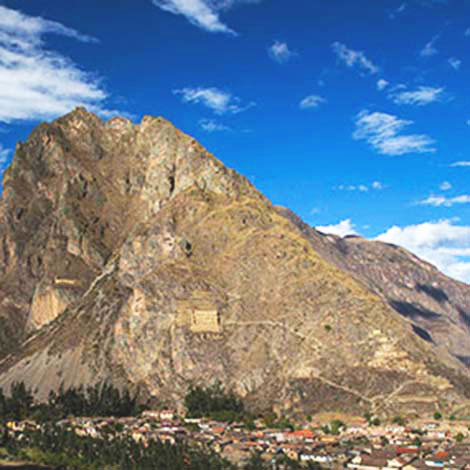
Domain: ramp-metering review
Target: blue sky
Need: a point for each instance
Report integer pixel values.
(356, 115)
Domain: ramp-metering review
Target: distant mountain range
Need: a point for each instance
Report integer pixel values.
(129, 254)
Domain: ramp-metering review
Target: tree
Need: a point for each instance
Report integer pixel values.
(214, 402)
(20, 402)
(336, 426)
(3, 404)
(437, 415)
(255, 462)
(398, 420)
(313, 466)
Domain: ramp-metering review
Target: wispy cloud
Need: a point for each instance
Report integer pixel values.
(467, 33)
(26, 31)
(445, 186)
(198, 12)
(422, 96)
(442, 243)
(397, 11)
(219, 101)
(204, 14)
(383, 132)
(311, 101)
(460, 164)
(438, 201)
(429, 48)
(280, 52)
(363, 188)
(343, 228)
(35, 82)
(382, 84)
(352, 187)
(210, 125)
(455, 63)
(353, 58)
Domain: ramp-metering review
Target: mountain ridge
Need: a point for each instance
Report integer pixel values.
(132, 255)
(415, 288)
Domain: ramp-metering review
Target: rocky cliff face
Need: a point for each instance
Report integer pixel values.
(130, 254)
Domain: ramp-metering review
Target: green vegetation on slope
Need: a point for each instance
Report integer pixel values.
(100, 400)
(215, 403)
(54, 445)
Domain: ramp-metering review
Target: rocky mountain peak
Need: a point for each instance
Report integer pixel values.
(130, 254)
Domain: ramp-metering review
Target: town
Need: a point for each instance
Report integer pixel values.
(355, 444)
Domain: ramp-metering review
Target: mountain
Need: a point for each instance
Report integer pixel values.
(129, 254)
(437, 307)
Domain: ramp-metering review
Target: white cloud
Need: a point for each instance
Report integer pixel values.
(382, 132)
(202, 13)
(343, 228)
(429, 49)
(457, 164)
(311, 101)
(210, 125)
(221, 102)
(455, 63)
(4, 153)
(37, 83)
(441, 243)
(438, 201)
(377, 185)
(351, 58)
(420, 97)
(445, 186)
(26, 31)
(280, 52)
(381, 84)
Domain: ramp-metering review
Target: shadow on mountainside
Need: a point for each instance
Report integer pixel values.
(464, 317)
(437, 294)
(464, 359)
(422, 333)
(412, 311)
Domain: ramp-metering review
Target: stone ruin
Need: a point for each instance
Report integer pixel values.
(199, 313)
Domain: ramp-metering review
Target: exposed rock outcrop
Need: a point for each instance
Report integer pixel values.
(135, 256)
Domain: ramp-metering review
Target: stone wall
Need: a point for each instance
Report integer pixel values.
(199, 315)
(205, 321)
